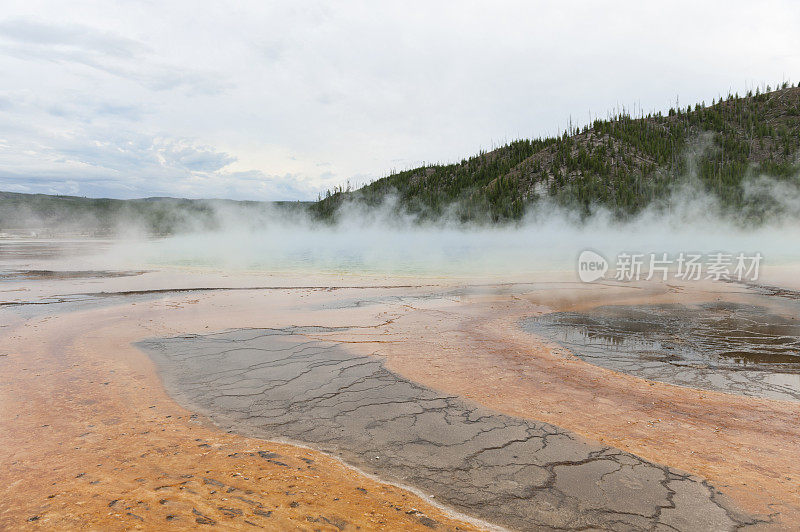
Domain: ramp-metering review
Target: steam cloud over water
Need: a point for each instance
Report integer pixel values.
(387, 240)
(548, 238)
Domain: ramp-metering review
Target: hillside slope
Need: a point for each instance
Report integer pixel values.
(623, 163)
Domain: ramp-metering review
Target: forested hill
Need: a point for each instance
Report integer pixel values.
(623, 163)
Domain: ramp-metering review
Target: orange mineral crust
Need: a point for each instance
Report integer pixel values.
(745, 446)
(89, 440)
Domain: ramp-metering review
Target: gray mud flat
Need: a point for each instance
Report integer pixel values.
(727, 347)
(519, 473)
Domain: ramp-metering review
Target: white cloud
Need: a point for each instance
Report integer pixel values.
(196, 98)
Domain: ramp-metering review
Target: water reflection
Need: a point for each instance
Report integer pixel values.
(723, 346)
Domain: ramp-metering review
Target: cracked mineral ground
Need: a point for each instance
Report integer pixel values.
(727, 347)
(288, 384)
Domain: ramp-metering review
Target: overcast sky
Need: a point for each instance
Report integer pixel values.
(263, 100)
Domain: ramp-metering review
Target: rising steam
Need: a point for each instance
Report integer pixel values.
(264, 237)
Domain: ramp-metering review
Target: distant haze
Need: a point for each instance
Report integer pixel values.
(272, 101)
(381, 240)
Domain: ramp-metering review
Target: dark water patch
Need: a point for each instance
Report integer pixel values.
(777, 291)
(719, 346)
(91, 296)
(47, 275)
(59, 304)
(283, 383)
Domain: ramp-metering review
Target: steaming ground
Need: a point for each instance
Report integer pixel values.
(387, 240)
(382, 240)
(361, 246)
(354, 285)
(434, 336)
